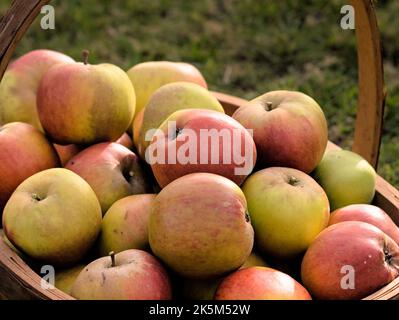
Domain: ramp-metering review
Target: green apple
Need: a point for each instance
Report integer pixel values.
(19, 86)
(346, 177)
(288, 210)
(65, 278)
(79, 103)
(168, 99)
(53, 216)
(125, 224)
(147, 77)
(9, 244)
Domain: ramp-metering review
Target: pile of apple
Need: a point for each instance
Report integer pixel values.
(115, 225)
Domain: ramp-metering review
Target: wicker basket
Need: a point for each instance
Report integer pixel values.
(19, 281)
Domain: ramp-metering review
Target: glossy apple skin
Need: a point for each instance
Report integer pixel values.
(168, 99)
(293, 134)
(260, 283)
(137, 276)
(85, 104)
(113, 171)
(125, 225)
(199, 227)
(352, 243)
(64, 279)
(196, 121)
(346, 177)
(19, 86)
(149, 76)
(24, 152)
(367, 213)
(288, 209)
(194, 289)
(53, 216)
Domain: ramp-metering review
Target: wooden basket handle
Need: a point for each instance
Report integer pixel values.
(371, 98)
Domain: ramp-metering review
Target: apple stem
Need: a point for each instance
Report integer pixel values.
(269, 106)
(36, 197)
(178, 131)
(112, 255)
(85, 54)
(293, 181)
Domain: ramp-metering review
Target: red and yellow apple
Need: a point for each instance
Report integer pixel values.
(168, 99)
(201, 140)
(129, 275)
(367, 213)
(20, 82)
(79, 103)
(53, 216)
(260, 283)
(147, 77)
(200, 289)
(125, 225)
(289, 129)
(349, 260)
(199, 226)
(24, 152)
(112, 170)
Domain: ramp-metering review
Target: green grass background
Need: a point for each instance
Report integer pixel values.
(243, 47)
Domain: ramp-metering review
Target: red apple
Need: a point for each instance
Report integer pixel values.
(19, 85)
(367, 213)
(24, 152)
(199, 140)
(112, 170)
(290, 129)
(349, 260)
(260, 283)
(129, 275)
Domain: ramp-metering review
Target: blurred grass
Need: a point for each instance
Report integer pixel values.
(243, 47)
